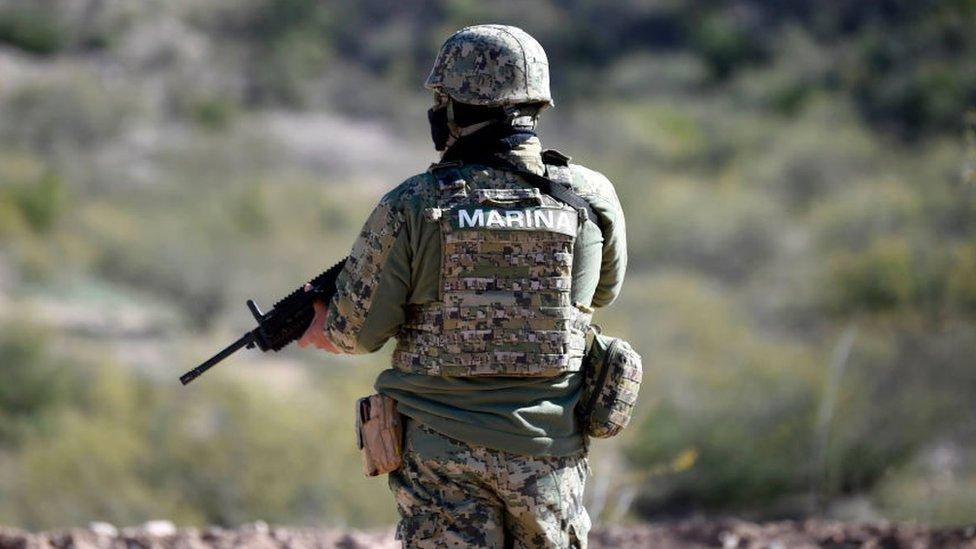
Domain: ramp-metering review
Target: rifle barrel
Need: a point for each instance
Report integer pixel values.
(212, 361)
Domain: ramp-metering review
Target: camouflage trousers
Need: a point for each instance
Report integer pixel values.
(453, 494)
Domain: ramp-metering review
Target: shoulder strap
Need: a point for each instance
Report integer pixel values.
(555, 158)
(562, 192)
(447, 175)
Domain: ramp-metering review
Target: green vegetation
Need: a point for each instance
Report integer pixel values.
(801, 200)
(85, 440)
(30, 28)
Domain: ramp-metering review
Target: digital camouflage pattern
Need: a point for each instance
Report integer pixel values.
(610, 405)
(397, 269)
(385, 261)
(492, 65)
(452, 494)
(356, 284)
(506, 307)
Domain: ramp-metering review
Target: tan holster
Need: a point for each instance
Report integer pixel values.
(379, 431)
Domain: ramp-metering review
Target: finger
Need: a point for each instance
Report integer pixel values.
(320, 307)
(328, 345)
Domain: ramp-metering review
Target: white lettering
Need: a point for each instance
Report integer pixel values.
(495, 219)
(543, 218)
(514, 218)
(476, 220)
(564, 221)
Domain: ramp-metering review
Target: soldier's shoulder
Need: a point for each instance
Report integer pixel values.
(415, 189)
(591, 184)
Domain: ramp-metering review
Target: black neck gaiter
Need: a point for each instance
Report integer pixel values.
(498, 138)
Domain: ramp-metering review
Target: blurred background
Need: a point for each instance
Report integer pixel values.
(800, 184)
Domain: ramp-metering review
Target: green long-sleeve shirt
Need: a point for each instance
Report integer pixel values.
(396, 261)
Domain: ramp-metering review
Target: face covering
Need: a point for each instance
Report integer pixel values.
(440, 132)
(450, 121)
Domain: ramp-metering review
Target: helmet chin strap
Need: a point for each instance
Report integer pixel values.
(513, 115)
(457, 132)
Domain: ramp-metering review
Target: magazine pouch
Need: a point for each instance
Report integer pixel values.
(612, 371)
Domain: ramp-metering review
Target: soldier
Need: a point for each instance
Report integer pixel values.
(486, 269)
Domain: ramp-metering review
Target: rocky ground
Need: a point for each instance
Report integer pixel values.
(687, 534)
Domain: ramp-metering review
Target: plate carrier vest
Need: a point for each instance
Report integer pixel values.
(506, 273)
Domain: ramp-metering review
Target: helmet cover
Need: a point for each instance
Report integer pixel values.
(492, 65)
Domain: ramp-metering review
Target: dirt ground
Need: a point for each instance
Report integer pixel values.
(687, 534)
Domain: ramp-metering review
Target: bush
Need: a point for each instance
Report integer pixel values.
(127, 449)
(31, 28)
(853, 217)
(744, 404)
(40, 202)
(74, 112)
(879, 279)
(214, 114)
(726, 44)
(34, 385)
(961, 283)
(723, 231)
(901, 391)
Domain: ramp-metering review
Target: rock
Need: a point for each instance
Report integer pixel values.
(258, 527)
(729, 540)
(687, 534)
(16, 539)
(159, 528)
(103, 529)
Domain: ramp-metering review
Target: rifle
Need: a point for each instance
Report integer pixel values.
(283, 324)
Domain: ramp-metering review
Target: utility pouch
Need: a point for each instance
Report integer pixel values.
(612, 377)
(379, 434)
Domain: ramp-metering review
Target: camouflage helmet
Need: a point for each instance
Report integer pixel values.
(492, 66)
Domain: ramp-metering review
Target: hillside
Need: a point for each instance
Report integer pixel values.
(799, 180)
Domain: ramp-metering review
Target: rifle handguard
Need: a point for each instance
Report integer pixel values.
(284, 323)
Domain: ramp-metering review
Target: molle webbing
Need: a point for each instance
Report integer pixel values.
(506, 277)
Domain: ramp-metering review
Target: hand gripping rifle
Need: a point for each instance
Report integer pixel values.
(284, 323)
